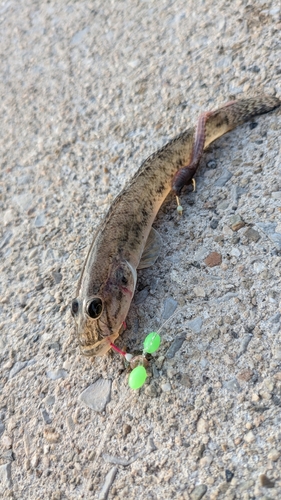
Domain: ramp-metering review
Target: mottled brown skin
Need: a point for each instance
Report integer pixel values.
(109, 272)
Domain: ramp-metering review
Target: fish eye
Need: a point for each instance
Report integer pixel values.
(74, 307)
(124, 280)
(95, 308)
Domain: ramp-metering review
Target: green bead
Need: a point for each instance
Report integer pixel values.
(151, 342)
(137, 377)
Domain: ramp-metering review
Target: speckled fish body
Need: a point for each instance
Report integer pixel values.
(108, 279)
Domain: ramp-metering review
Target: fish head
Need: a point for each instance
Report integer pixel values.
(99, 317)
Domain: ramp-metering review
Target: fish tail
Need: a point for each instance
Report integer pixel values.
(213, 124)
(236, 113)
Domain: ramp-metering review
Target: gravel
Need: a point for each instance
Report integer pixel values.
(97, 395)
(89, 90)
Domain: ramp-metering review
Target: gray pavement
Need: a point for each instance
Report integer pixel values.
(88, 90)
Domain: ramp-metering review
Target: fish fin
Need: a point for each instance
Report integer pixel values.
(134, 273)
(151, 250)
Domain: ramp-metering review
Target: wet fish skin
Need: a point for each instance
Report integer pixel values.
(109, 273)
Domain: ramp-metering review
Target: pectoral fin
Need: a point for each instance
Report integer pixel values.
(151, 250)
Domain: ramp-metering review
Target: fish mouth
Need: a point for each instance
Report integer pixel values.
(95, 340)
(99, 348)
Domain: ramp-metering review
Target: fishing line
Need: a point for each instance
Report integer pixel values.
(151, 344)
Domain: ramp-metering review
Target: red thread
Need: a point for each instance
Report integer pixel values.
(117, 349)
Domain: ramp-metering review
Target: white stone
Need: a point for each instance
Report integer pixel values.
(199, 291)
(202, 426)
(249, 437)
(97, 395)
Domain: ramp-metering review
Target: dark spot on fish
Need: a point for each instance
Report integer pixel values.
(160, 188)
(119, 299)
(74, 307)
(108, 322)
(144, 213)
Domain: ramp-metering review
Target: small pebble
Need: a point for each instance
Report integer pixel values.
(227, 296)
(232, 385)
(5, 240)
(18, 366)
(24, 201)
(266, 482)
(200, 450)
(195, 324)
(234, 252)
(202, 426)
(170, 306)
(109, 478)
(2, 428)
(276, 195)
(212, 164)
(126, 429)
(236, 222)
(70, 424)
(259, 266)
(166, 387)
(253, 125)
(155, 372)
(200, 254)
(213, 259)
(57, 277)
(151, 391)
(227, 231)
(244, 344)
(234, 196)
(6, 475)
(51, 435)
(214, 223)
(198, 492)
(223, 205)
(33, 252)
(185, 380)
(276, 351)
(7, 216)
(6, 442)
(269, 229)
(273, 455)
(206, 461)
(97, 395)
(228, 475)
(199, 291)
(249, 437)
(275, 318)
(56, 374)
(252, 235)
(175, 346)
(39, 286)
(141, 296)
(222, 180)
(159, 362)
(46, 417)
(245, 375)
(254, 69)
(40, 221)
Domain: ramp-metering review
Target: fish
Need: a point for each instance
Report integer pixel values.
(125, 240)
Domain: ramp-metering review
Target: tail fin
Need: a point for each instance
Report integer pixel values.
(236, 113)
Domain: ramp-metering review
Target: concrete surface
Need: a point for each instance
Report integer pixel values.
(88, 91)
